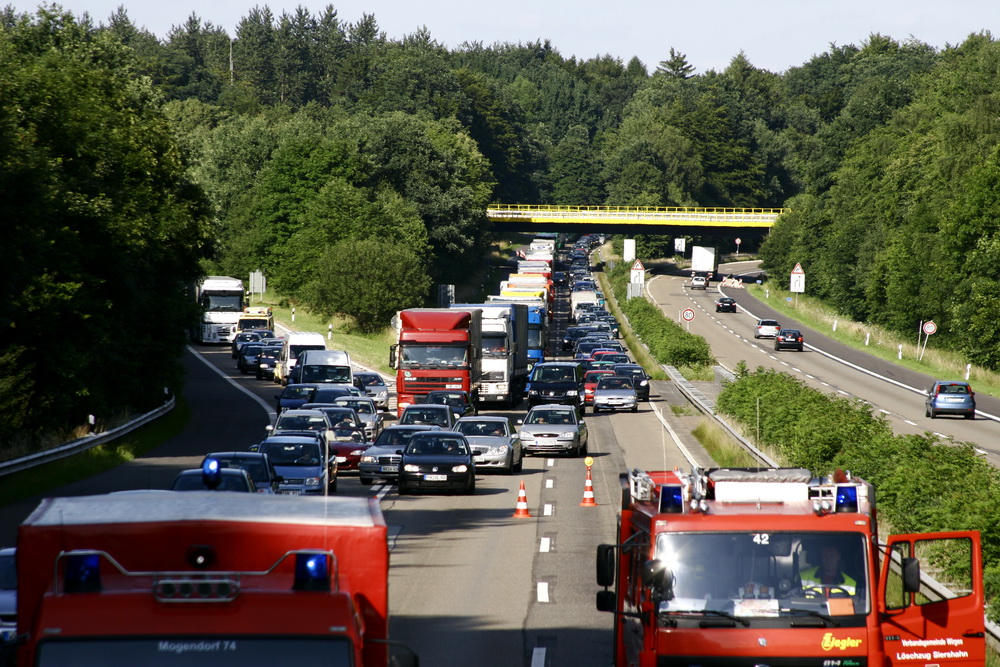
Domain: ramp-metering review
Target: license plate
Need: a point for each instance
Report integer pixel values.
(290, 492)
(341, 459)
(479, 459)
(389, 469)
(435, 478)
(453, 386)
(545, 442)
(955, 400)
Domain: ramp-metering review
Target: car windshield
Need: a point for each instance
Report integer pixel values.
(370, 380)
(324, 373)
(300, 423)
(481, 428)
(296, 392)
(426, 445)
(549, 417)
(254, 467)
(765, 574)
(556, 374)
(361, 407)
(329, 394)
(394, 437)
(614, 383)
(424, 416)
(432, 356)
(288, 454)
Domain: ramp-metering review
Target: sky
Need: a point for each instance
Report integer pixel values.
(773, 34)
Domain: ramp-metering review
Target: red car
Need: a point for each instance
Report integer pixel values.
(590, 379)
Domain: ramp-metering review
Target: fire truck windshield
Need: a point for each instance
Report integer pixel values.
(416, 355)
(765, 574)
(196, 651)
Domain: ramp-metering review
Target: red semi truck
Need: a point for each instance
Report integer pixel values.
(746, 567)
(155, 579)
(436, 349)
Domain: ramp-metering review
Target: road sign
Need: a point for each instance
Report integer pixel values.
(798, 280)
(929, 327)
(637, 266)
(688, 314)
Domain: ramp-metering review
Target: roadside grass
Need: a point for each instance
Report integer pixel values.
(37, 481)
(944, 364)
(635, 346)
(720, 445)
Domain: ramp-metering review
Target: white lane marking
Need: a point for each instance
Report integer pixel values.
(841, 391)
(547, 509)
(885, 412)
(544, 545)
(384, 490)
(260, 401)
(907, 421)
(549, 483)
(538, 657)
(810, 376)
(550, 462)
(543, 591)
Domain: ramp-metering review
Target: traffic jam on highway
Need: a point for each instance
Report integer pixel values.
(716, 566)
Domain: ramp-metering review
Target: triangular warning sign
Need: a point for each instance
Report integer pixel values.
(797, 269)
(638, 266)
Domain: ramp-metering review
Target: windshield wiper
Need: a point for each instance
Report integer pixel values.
(817, 614)
(725, 614)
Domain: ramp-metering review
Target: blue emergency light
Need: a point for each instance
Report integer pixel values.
(671, 499)
(82, 573)
(312, 572)
(211, 473)
(847, 498)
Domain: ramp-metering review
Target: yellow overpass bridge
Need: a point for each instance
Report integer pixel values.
(665, 220)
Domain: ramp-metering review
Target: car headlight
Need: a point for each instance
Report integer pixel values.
(312, 481)
(572, 392)
(533, 392)
(496, 451)
(382, 394)
(643, 383)
(461, 468)
(356, 452)
(568, 434)
(411, 467)
(368, 458)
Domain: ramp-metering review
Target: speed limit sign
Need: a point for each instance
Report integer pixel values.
(688, 314)
(929, 327)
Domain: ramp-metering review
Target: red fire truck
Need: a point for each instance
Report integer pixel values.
(749, 567)
(203, 578)
(436, 348)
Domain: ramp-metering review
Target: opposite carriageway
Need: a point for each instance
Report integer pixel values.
(633, 219)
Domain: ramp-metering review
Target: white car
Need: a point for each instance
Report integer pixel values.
(766, 329)
(699, 282)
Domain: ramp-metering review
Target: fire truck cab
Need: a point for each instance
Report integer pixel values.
(780, 567)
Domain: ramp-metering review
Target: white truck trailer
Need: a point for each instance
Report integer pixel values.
(220, 303)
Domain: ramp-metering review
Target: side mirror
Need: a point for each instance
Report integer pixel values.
(269, 428)
(520, 422)
(392, 356)
(607, 601)
(911, 575)
(399, 451)
(606, 565)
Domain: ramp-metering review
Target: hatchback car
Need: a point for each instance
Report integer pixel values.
(294, 396)
(381, 459)
(374, 387)
(265, 362)
(495, 444)
(256, 464)
(590, 379)
(299, 461)
(437, 460)
(371, 417)
(222, 479)
(766, 329)
(788, 339)
(556, 382)
(950, 398)
(553, 428)
(460, 401)
(615, 393)
(699, 282)
(424, 413)
(726, 304)
(241, 338)
(640, 378)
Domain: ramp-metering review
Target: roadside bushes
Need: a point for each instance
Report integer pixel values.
(667, 341)
(923, 484)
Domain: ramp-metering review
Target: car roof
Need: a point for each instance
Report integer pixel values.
(235, 455)
(484, 418)
(289, 438)
(553, 406)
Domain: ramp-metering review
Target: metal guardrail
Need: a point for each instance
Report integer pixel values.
(740, 217)
(83, 444)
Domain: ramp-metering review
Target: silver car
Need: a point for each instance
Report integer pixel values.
(615, 392)
(381, 460)
(552, 429)
(368, 412)
(495, 444)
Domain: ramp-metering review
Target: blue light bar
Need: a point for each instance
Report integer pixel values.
(312, 572)
(211, 474)
(82, 573)
(671, 499)
(847, 498)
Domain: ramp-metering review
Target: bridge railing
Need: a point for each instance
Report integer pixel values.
(635, 214)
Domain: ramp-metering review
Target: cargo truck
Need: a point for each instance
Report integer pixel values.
(757, 566)
(256, 317)
(704, 262)
(538, 324)
(504, 351)
(436, 349)
(203, 578)
(220, 302)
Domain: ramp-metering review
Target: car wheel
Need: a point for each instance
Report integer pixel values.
(366, 481)
(470, 488)
(520, 463)
(403, 489)
(971, 415)
(932, 415)
(332, 487)
(596, 409)
(635, 408)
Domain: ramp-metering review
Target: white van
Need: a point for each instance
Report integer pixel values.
(322, 367)
(295, 344)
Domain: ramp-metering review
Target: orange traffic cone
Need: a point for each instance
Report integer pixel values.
(588, 492)
(522, 504)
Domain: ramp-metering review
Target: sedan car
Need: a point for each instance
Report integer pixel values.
(423, 413)
(374, 387)
(240, 338)
(299, 461)
(8, 594)
(437, 460)
(495, 443)
(726, 304)
(553, 428)
(221, 479)
(950, 398)
(615, 393)
(766, 329)
(788, 339)
(640, 378)
(294, 396)
(372, 419)
(699, 282)
(265, 362)
(246, 361)
(460, 401)
(381, 460)
(590, 379)
(256, 464)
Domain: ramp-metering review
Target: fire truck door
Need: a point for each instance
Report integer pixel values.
(938, 617)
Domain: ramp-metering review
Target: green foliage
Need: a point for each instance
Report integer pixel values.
(368, 280)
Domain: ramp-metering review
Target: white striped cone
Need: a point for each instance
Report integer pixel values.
(588, 492)
(521, 512)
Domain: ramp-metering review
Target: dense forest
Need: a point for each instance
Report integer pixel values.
(311, 148)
